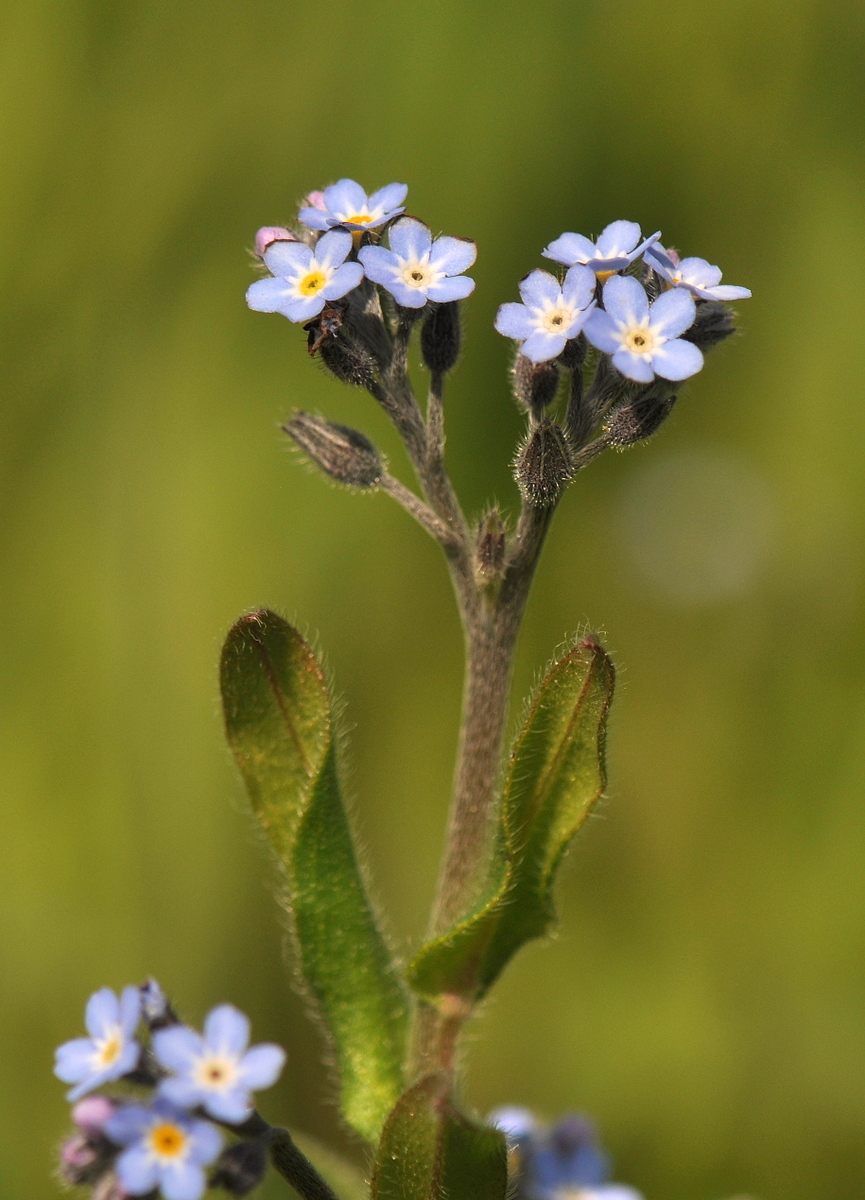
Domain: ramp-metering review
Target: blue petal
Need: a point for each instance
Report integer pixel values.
(513, 1120)
(130, 1010)
(408, 297)
(602, 331)
(410, 238)
(570, 248)
(102, 1013)
(128, 1124)
(659, 260)
(453, 255)
(579, 321)
(232, 1106)
(380, 265)
(625, 300)
(700, 272)
(644, 246)
(260, 1066)
(74, 1060)
(672, 313)
(288, 258)
(205, 1142)
(633, 366)
(579, 286)
(618, 238)
(515, 321)
(137, 1170)
(303, 310)
(332, 249)
(343, 280)
(313, 218)
(388, 198)
(181, 1093)
(178, 1047)
(268, 295)
(226, 1028)
(182, 1181)
(540, 288)
(455, 288)
(729, 292)
(542, 346)
(677, 360)
(344, 198)
(127, 1061)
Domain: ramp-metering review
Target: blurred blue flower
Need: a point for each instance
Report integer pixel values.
(166, 1148)
(644, 341)
(416, 269)
(216, 1071)
(569, 1160)
(695, 274)
(346, 203)
(305, 280)
(615, 249)
(109, 1052)
(551, 313)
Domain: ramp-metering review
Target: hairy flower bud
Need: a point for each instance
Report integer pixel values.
(535, 384)
(241, 1168)
(641, 417)
(348, 361)
(269, 234)
(545, 464)
(156, 1007)
(490, 548)
(714, 322)
(440, 337)
(342, 453)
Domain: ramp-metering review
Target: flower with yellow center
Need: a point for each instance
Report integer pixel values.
(346, 203)
(304, 280)
(644, 340)
(552, 313)
(110, 1052)
(416, 269)
(696, 274)
(617, 247)
(165, 1148)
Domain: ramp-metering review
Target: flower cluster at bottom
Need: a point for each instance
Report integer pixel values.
(156, 1134)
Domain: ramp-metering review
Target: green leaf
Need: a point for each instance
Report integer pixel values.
(556, 774)
(430, 1151)
(279, 724)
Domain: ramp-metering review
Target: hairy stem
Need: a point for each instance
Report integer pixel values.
(291, 1163)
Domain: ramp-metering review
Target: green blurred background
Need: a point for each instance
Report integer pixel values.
(705, 998)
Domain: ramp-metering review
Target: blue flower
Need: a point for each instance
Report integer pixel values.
(305, 280)
(617, 246)
(568, 1161)
(416, 268)
(644, 341)
(551, 313)
(695, 274)
(216, 1071)
(109, 1052)
(166, 1148)
(346, 203)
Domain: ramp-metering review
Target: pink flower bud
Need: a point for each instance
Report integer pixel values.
(316, 200)
(271, 233)
(92, 1113)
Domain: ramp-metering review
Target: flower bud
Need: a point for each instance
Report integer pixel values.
(91, 1113)
(638, 419)
(545, 464)
(342, 453)
(440, 337)
(349, 361)
(271, 233)
(241, 1168)
(714, 322)
(156, 1007)
(535, 384)
(490, 548)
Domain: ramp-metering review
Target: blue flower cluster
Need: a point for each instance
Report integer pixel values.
(562, 1162)
(130, 1144)
(642, 337)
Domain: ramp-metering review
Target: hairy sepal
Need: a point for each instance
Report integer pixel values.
(555, 776)
(279, 723)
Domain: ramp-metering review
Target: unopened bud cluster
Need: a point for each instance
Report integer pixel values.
(156, 1129)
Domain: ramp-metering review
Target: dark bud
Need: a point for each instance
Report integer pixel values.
(241, 1168)
(348, 361)
(156, 1007)
(641, 417)
(342, 453)
(490, 548)
(545, 464)
(85, 1157)
(714, 322)
(535, 384)
(440, 337)
(574, 354)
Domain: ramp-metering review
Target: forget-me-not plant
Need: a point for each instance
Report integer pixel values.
(599, 351)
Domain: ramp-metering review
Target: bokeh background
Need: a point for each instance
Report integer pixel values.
(705, 998)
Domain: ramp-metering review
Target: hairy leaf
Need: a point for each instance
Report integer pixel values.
(279, 724)
(556, 774)
(430, 1151)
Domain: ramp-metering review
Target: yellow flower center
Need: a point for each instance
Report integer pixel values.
(167, 1140)
(216, 1072)
(603, 276)
(417, 275)
(360, 219)
(640, 340)
(312, 283)
(108, 1050)
(557, 320)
